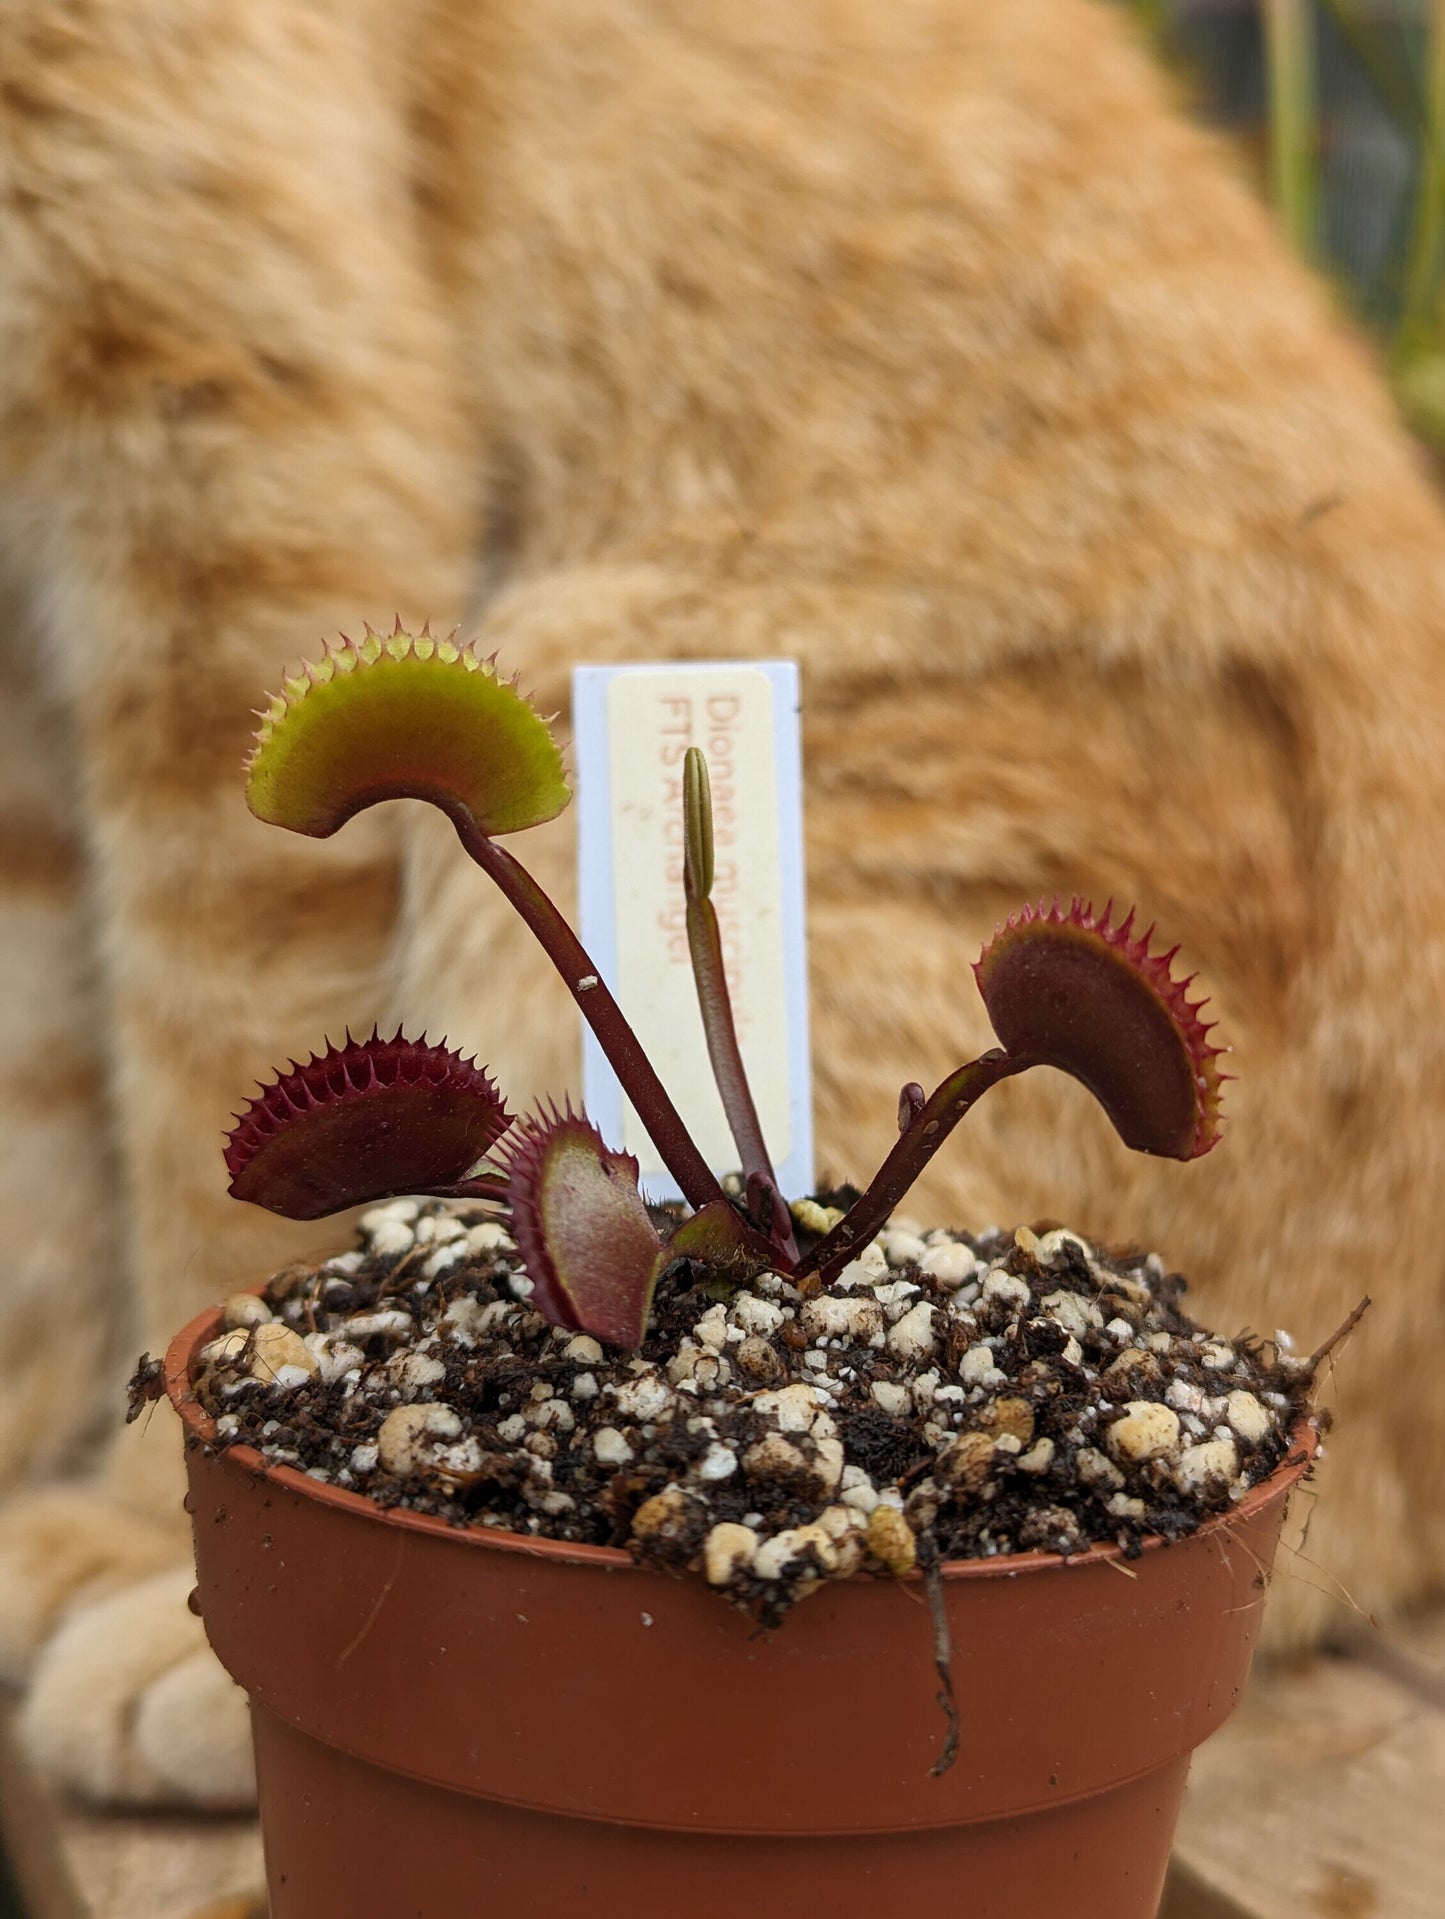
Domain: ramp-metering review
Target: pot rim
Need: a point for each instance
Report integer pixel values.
(200, 1430)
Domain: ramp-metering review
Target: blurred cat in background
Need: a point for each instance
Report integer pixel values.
(926, 344)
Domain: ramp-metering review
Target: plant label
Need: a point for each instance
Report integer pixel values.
(632, 728)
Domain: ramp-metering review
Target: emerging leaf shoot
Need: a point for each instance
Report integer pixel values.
(715, 1003)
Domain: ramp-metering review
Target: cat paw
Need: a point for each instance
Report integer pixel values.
(127, 1703)
(129, 1706)
(66, 1547)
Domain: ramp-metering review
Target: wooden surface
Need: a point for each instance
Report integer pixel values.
(1321, 1799)
(1323, 1796)
(73, 1864)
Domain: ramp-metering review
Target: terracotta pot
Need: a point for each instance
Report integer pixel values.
(456, 1722)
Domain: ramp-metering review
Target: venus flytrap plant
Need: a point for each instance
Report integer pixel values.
(420, 718)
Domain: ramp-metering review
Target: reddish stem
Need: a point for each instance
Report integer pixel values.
(602, 1013)
(911, 1152)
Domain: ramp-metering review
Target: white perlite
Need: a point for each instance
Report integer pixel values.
(392, 1238)
(437, 1228)
(1007, 1288)
(754, 1315)
(805, 1552)
(1209, 1466)
(410, 1436)
(245, 1309)
(827, 1460)
(610, 1447)
(728, 1552)
(412, 1372)
(699, 1368)
(1051, 1244)
(1248, 1416)
(489, 1237)
(912, 1337)
(406, 1210)
(858, 1320)
(230, 1346)
(895, 1295)
(792, 1409)
(643, 1398)
(1097, 1469)
(950, 1264)
(444, 1256)
(1038, 1458)
(901, 1248)
(280, 1357)
(718, 1462)
(1076, 1315)
(774, 1457)
(391, 1323)
(977, 1367)
(1147, 1431)
(712, 1329)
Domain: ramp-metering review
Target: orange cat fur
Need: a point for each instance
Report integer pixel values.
(926, 343)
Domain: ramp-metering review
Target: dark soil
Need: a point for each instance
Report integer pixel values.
(1030, 1393)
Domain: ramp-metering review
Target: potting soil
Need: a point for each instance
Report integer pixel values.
(950, 1396)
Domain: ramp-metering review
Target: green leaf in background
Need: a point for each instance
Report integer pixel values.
(1342, 103)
